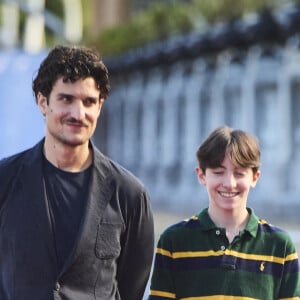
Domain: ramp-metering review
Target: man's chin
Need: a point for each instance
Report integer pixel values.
(74, 142)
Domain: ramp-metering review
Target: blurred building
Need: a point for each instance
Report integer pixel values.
(166, 97)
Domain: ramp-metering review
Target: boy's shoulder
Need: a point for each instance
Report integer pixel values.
(182, 226)
(267, 228)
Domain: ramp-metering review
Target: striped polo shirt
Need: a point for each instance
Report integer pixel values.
(194, 260)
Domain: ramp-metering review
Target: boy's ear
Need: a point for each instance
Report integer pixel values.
(200, 176)
(256, 176)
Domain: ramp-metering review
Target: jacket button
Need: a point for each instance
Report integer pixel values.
(57, 286)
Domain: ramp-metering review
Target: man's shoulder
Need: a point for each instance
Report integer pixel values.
(11, 163)
(115, 170)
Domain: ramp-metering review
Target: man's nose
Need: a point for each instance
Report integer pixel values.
(78, 110)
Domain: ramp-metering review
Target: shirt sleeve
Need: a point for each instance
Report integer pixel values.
(162, 285)
(290, 284)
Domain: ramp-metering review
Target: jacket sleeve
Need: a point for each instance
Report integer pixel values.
(137, 250)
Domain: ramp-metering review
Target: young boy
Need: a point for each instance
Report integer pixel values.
(226, 252)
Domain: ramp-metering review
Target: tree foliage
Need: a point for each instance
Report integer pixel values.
(162, 20)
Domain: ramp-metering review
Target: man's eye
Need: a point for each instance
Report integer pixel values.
(66, 99)
(90, 101)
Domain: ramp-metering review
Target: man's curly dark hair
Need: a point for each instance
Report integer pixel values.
(71, 63)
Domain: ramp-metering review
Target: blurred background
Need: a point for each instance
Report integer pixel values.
(178, 70)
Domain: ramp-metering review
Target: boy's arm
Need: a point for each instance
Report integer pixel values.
(162, 286)
(290, 284)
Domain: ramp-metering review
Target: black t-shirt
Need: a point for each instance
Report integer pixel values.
(66, 194)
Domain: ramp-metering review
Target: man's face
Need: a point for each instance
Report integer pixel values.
(228, 185)
(71, 111)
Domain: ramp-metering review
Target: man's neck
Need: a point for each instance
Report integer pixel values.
(69, 158)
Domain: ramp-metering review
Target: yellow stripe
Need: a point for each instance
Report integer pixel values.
(162, 294)
(163, 252)
(217, 297)
(269, 258)
(186, 254)
(262, 221)
(220, 297)
(291, 257)
(197, 254)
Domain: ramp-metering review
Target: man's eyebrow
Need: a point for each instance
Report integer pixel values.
(65, 95)
(71, 96)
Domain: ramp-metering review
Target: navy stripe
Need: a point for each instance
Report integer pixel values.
(228, 262)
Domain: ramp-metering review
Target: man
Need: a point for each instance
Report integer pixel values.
(226, 251)
(73, 224)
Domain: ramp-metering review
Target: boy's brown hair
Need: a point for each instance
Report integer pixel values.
(242, 147)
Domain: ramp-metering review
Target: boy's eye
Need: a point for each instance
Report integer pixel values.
(218, 172)
(240, 173)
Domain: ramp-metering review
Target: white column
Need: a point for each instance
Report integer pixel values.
(9, 31)
(196, 115)
(150, 156)
(267, 112)
(73, 20)
(115, 107)
(248, 90)
(132, 121)
(233, 113)
(169, 140)
(290, 107)
(34, 26)
(217, 98)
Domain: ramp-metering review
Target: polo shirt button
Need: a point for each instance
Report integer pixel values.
(218, 232)
(223, 247)
(57, 286)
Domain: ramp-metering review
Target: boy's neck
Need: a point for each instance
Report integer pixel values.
(232, 221)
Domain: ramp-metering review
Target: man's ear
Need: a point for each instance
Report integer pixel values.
(201, 176)
(42, 103)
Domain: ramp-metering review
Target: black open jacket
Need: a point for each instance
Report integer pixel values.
(112, 255)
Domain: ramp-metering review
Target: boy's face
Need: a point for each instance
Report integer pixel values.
(228, 185)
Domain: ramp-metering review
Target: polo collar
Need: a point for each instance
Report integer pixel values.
(207, 224)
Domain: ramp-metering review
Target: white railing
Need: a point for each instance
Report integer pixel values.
(157, 117)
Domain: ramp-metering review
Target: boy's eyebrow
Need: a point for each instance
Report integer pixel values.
(216, 167)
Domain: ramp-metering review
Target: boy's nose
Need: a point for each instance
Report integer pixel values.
(229, 181)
